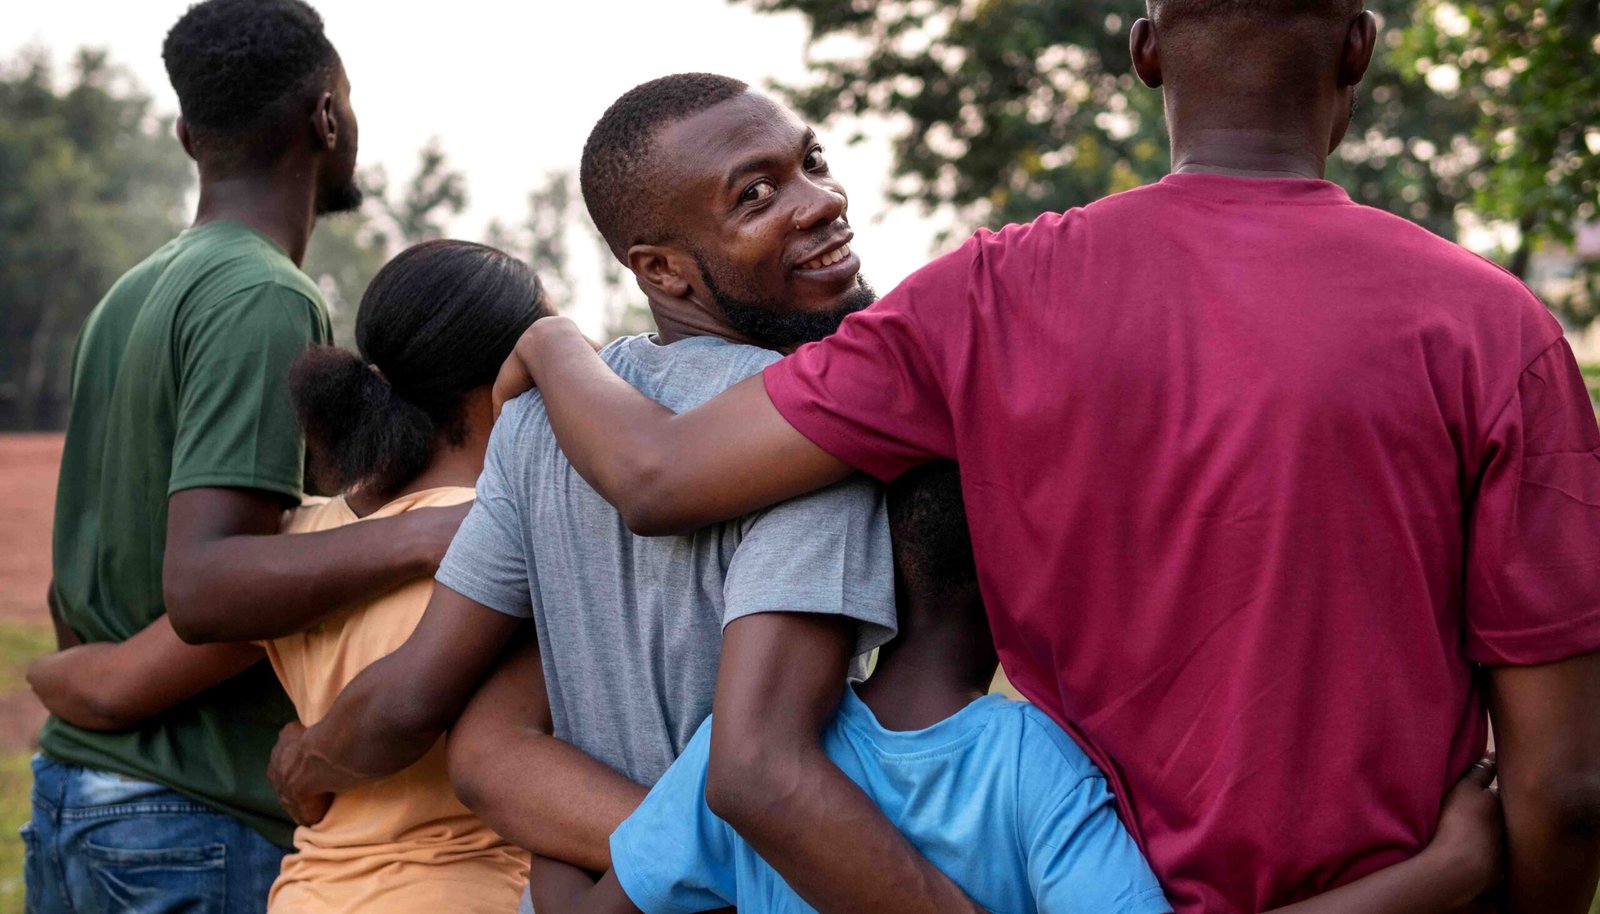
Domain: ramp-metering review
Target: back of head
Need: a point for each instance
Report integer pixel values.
(435, 324)
(1276, 49)
(933, 558)
(242, 69)
(620, 175)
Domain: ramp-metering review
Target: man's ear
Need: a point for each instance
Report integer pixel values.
(1359, 44)
(185, 138)
(1146, 55)
(660, 269)
(325, 124)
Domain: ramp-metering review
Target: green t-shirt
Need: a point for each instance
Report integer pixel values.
(178, 383)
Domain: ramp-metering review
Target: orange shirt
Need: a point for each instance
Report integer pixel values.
(405, 843)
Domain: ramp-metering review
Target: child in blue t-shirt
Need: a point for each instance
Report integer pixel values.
(990, 790)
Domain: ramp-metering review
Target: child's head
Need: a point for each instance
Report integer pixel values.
(434, 327)
(933, 564)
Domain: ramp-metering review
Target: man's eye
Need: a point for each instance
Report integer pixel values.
(815, 160)
(757, 192)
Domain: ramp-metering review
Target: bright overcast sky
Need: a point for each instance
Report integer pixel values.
(511, 89)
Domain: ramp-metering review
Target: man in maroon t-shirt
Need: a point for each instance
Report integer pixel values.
(1257, 479)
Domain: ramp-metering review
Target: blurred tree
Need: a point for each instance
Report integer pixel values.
(1529, 70)
(90, 182)
(1003, 109)
(347, 249)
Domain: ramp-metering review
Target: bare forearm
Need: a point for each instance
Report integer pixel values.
(549, 797)
(667, 473)
(1553, 856)
(254, 588)
(1548, 740)
(832, 843)
(1420, 885)
(113, 686)
(380, 723)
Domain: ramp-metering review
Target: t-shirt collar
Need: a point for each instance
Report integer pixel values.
(1235, 189)
(853, 712)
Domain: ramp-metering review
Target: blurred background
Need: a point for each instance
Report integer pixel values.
(1479, 121)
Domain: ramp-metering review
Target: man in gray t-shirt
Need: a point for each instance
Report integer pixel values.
(629, 628)
(721, 204)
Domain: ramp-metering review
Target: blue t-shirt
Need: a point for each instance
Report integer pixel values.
(997, 797)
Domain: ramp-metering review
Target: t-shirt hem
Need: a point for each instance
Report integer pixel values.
(275, 484)
(1547, 644)
(871, 633)
(836, 438)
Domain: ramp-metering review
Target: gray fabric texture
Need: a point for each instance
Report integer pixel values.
(630, 628)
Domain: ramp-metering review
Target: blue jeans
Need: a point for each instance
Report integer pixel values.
(100, 843)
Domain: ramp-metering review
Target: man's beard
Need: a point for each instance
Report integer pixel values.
(346, 198)
(772, 322)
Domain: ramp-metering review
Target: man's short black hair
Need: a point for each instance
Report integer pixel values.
(619, 167)
(928, 529)
(240, 67)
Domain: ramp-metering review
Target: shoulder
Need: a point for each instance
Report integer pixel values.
(1044, 743)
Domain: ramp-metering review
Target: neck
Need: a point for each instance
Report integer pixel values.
(1250, 138)
(931, 671)
(451, 465)
(681, 320)
(279, 202)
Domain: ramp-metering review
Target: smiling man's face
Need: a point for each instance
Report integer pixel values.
(755, 205)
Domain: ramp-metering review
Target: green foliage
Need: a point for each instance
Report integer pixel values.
(1530, 72)
(1007, 108)
(90, 182)
(16, 787)
(1002, 109)
(348, 249)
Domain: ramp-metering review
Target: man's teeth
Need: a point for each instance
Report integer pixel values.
(829, 259)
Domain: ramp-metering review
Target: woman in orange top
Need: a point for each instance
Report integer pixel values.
(401, 426)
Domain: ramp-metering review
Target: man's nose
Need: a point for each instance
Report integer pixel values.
(821, 205)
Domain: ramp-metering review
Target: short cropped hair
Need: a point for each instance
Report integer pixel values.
(1171, 11)
(619, 168)
(928, 529)
(241, 66)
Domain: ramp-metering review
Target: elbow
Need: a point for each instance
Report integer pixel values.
(751, 783)
(1574, 802)
(468, 758)
(638, 492)
(181, 591)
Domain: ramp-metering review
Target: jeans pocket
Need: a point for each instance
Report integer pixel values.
(193, 880)
(33, 872)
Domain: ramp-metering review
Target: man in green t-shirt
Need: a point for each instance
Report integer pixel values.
(182, 453)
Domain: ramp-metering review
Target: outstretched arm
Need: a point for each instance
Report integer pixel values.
(1547, 736)
(395, 710)
(778, 685)
(536, 791)
(665, 473)
(227, 577)
(111, 686)
(1461, 863)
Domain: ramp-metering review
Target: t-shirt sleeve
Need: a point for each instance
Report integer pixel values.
(1533, 573)
(1080, 858)
(236, 424)
(673, 854)
(875, 394)
(826, 553)
(487, 561)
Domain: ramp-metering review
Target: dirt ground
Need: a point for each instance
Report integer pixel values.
(27, 499)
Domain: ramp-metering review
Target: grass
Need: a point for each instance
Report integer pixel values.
(16, 784)
(19, 643)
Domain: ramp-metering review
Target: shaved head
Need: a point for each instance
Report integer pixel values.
(1166, 12)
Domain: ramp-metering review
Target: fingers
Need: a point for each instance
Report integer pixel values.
(1482, 772)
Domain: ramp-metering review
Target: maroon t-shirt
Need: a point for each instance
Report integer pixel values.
(1255, 475)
